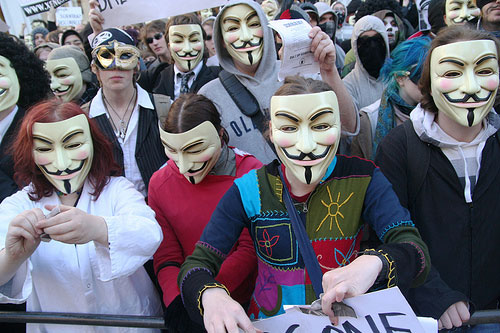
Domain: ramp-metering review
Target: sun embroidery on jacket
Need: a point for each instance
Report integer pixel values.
(268, 242)
(335, 207)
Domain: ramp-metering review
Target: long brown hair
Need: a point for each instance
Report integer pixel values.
(26, 170)
(446, 36)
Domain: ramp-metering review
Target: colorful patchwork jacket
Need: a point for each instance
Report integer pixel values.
(352, 192)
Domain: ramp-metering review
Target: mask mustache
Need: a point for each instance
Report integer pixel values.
(247, 44)
(68, 171)
(189, 54)
(467, 97)
(302, 155)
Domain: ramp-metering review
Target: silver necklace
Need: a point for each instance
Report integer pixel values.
(122, 130)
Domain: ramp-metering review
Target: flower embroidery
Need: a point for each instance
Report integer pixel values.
(268, 242)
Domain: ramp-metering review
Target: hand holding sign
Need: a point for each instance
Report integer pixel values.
(349, 281)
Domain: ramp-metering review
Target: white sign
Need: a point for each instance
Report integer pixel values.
(69, 16)
(296, 58)
(123, 12)
(382, 311)
(3, 26)
(33, 7)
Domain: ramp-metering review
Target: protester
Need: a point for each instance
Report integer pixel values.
(208, 26)
(201, 168)
(188, 73)
(153, 37)
(490, 18)
(23, 83)
(94, 248)
(123, 110)
(42, 51)
(71, 77)
(71, 37)
(38, 35)
(400, 75)
(371, 48)
(443, 165)
(270, 8)
(257, 70)
(305, 131)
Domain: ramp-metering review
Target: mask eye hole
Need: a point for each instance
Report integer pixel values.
(321, 127)
(106, 54)
(452, 74)
(43, 149)
(74, 145)
(485, 72)
(288, 128)
(126, 56)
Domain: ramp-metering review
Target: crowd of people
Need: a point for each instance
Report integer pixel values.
(162, 169)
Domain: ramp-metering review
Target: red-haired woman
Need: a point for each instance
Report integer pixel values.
(97, 229)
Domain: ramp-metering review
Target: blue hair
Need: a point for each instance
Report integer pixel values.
(408, 56)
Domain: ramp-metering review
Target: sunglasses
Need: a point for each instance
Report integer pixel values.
(156, 36)
(209, 37)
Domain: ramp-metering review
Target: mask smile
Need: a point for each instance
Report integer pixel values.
(313, 159)
(188, 56)
(60, 91)
(196, 171)
(462, 102)
(70, 173)
(247, 46)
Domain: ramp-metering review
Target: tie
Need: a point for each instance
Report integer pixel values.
(184, 82)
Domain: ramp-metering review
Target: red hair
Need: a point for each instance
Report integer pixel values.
(26, 171)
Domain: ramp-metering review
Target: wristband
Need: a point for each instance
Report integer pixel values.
(388, 271)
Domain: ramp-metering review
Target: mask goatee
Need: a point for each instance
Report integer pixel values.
(250, 57)
(470, 116)
(308, 174)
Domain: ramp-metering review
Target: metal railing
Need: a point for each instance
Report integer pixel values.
(479, 317)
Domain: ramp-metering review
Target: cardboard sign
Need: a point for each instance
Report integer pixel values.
(33, 7)
(382, 311)
(69, 16)
(123, 12)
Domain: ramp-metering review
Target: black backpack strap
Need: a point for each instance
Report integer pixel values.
(244, 100)
(418, 160)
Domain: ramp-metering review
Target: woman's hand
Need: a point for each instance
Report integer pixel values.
(95, 18)
(323, 49)
(349, 281)
(74, 226)
(23, 235)
(455, 316)
(223, 314)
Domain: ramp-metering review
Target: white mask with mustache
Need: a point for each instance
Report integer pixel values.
(464, 80)
(9, 85)
(242, 33)
(65, 78)
(305, 130)
(186, 45)
(63, 151)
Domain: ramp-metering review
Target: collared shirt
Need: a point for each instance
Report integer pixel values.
(6, 122)
(128, 145)
(177, 78)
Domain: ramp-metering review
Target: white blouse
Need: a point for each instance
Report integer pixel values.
(89, 278)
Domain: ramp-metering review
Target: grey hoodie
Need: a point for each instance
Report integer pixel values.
(263, 85)
(363, 88)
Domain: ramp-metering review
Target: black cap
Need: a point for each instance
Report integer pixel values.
(111, 34)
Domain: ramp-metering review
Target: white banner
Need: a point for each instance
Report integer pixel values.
(33, 7)
(123, 12)
(382, 311)
(68, 16)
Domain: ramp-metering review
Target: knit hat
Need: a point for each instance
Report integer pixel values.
(70, 32)
(39, 30)
(111, 34)
(71, 51)
(295, 12)
(480, 3)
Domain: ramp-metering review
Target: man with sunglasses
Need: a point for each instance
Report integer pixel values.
(208, 26)
(185, 38)
(153, 37)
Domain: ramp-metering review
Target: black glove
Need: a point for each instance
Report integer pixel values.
(177, 318)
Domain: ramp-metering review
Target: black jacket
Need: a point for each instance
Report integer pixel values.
(463, 238)
(160, 80)
(7, 184)
(149, 152)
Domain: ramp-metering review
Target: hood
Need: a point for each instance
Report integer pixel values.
(268, 60)
(429, 131)
(366, 23)
(401, 37)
